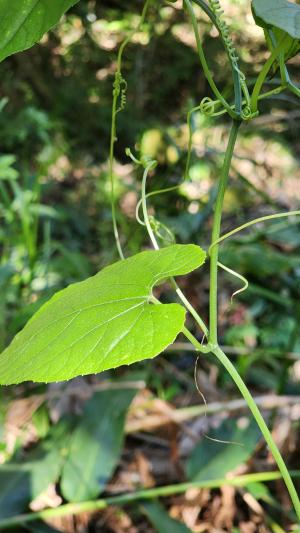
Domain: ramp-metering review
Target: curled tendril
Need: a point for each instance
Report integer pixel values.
(118, 104)
(224, 31)
(236, 275)
(153, 225)
(230, 48)
(145, 161)
(162, 231)
(120, 91)
(159, 229)
(207, 106)
(247, 113)
(241, 228)
(153, 193)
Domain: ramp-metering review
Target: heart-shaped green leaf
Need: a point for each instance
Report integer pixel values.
(103, 322)
(279, 14)
(24, 22)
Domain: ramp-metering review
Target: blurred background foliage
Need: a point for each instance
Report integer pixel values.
(56, 223)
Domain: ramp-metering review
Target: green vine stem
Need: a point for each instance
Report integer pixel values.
(214, 256)
(286, 77)
(215, 16)
(262, 425)
(284, 73)
(140, 495)
(204, 64)
(263, 74)
(213, 323)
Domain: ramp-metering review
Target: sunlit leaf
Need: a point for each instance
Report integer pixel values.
(103, 322)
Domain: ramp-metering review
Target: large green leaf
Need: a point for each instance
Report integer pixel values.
(213, 460)
(161, 520)
(96, 445)
(103, 322)
(279, 14)
(24, 22)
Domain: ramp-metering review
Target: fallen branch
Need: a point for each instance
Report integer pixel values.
(151, 422)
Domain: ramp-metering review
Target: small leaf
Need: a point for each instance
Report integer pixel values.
(103, 322)
(24, 22)
(96, 445)
(279, 14)
(160, 519)
(213, 460)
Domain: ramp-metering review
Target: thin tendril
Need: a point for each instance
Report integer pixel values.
(238, 76)
(252, 223)
(156, 247)
(236, 275)
(148, 165)
(148, 195)
(118, 104)
(214, 12)
(241, 228)
(208, 107)
(215, 103)
(219, 441)
(204, 64)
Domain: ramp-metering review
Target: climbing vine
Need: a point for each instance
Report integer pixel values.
(113, 318)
